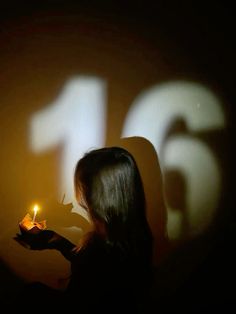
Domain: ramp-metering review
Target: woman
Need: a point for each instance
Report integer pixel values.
(113, 263)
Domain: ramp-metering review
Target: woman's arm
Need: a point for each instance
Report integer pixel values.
(47, 239)
(63, 245)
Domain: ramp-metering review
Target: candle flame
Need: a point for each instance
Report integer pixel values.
(36, 208)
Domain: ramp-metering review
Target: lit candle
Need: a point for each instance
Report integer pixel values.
(35, 211)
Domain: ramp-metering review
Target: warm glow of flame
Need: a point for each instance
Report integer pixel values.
(35, 209)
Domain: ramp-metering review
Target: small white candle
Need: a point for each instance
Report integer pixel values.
(35, 212)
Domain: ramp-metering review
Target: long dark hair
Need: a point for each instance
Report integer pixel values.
(111, 185)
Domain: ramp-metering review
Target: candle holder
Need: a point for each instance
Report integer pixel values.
(27, 224)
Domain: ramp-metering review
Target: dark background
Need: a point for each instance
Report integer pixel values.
(190, 39)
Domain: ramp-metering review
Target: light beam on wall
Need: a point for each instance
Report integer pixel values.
(77, 120)
(151, 116)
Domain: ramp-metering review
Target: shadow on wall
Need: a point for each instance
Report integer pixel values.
(197, 274)
(148, 163)
(60, 215)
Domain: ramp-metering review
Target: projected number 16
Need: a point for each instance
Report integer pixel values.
(77, 120)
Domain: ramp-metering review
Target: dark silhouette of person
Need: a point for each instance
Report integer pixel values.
(111, 268)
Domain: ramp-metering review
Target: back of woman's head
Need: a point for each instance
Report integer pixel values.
(111, 185)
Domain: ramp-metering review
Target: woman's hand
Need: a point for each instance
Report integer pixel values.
(36, 239)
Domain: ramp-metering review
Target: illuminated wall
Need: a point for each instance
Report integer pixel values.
(70, 83)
